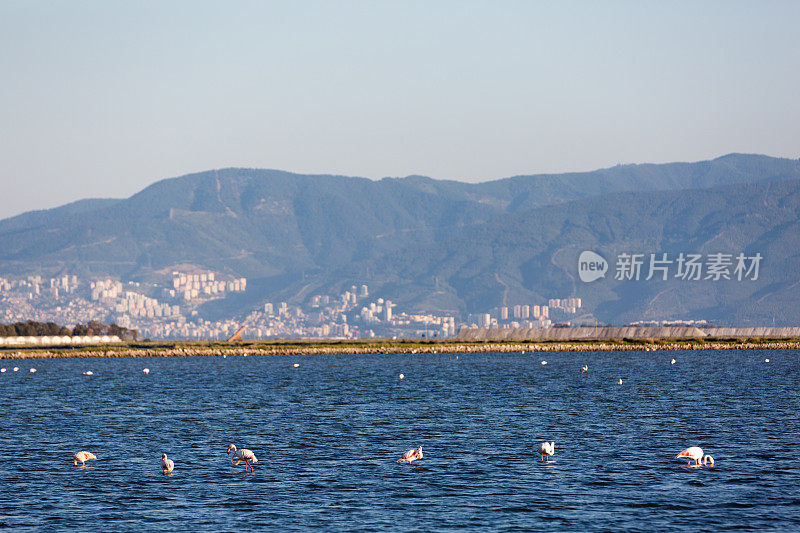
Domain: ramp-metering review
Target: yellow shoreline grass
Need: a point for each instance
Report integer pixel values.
(316, 347)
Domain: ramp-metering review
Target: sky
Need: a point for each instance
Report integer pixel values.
(101, 99)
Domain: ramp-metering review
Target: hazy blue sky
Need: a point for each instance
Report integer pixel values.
(100, 99)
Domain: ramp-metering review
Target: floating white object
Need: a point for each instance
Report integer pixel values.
(766, 360)
(2, 370)
(146, 370)
(32, 370)
(672, 362)
(402, 376)
(224, 356)
(296, 365)
(544, 362)
(88, 373)
(619, 382)
(16, 368)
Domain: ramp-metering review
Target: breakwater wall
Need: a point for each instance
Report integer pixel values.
(622, 332)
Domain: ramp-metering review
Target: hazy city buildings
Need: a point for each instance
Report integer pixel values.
(170, 310)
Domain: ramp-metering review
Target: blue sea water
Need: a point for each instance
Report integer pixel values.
(327, 435)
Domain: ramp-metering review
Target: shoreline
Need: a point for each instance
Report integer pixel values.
(195, 349)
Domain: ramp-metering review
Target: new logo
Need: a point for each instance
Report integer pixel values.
(591, 266)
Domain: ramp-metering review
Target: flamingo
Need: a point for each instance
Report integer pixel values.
(619, 382)
(167, 465)
(83, 457)
(3, 370)
(584, 368)
(411, 455)
(548, 449)
(695, 453)
(242, 455)
(146, 370)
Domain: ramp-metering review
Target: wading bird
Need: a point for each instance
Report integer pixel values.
(584, 368)
(411, 455)
(695, 453)
(82, 457)
(167, 465)
(242, 455)
(547, 449)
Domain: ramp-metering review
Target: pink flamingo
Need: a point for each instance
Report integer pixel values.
(242, 455)
(167, 465)
(695, 453)
(82, 457)
(547, 449)
(411, 455)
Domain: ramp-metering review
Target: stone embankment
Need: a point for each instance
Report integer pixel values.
(356, 348)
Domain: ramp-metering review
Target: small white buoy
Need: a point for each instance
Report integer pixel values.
(619, 382)
(16, 368)
(672, 362)
(32, 370)
(296, 365)
(544, 362)
(766, 360)
(402, 376)
(88, 373)
(146, 370)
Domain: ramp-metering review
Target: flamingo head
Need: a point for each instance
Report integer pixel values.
(231, 448)
(419, 452)
(163, 456)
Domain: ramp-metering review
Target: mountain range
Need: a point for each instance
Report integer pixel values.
(437, 245)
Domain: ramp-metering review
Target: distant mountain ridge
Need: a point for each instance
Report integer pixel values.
(429, 243)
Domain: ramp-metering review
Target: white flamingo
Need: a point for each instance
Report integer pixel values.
(167, 465)
(411, 455)
(695, 453)
(83, 457)
(547, 449)
(242, 455)
(584, 368)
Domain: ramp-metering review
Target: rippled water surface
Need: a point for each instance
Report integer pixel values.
(327, 435)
